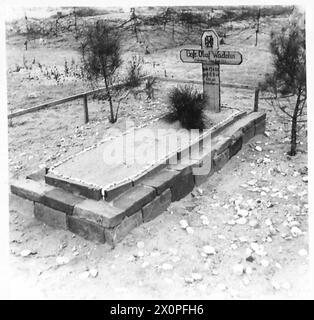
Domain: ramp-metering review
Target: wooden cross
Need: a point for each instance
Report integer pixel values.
(211, 58)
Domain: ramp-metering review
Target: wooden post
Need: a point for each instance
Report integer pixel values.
(85, 108)
(256, 99)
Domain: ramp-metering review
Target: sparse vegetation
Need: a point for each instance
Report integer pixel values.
(134, 72)
(101, 57)
(187, 105)
(289, 76)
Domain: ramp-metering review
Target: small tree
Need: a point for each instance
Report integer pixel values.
(101, 57)
(289, 76)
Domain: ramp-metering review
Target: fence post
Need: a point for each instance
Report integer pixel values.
(256, 99)
(85, 108)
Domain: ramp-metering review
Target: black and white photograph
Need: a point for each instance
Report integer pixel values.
(155, 150)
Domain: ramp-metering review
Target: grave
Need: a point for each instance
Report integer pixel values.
(211, 59)
(103, 197)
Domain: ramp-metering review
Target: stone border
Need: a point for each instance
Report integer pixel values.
(109, 222)
(108, 192)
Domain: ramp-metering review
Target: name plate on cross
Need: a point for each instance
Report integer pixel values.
(211, 59)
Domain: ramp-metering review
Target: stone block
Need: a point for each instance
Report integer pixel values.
(21, 205)
(248, 133)
(183, 185)
(134, 199)
(61, 200)
(114, 235)
(51, 217)
(157, 206)
(260, 127)
(100, 212)
(235, 146)
(221, 159)
(29, 189)
(86, 229)
(162, 180)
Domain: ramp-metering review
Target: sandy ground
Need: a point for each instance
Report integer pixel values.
(160, 259)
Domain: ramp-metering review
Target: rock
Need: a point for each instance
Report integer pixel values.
(167, 266)
(209, 250)
(253, 223)
(305, 179)
(265, 263)
(241, 221)
(184, 224)
(258, 249)
(243, 212)
(268, 222)
(188, 280)
(250, 259)
(84, 275)
(258, 148)
(238, 269)
(62, 260)
(205, 220)
(275, 285)
(295, 231)
(27, 252)
(302, 252)
(197, 277)
(234, 246)
(248, 270)
(93, 273)
(140, 244)
(189, 230)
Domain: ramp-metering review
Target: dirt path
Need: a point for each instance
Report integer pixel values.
(260, 253)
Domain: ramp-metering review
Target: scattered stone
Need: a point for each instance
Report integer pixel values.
(265, 263)
(62, 260)
(167, 266)
(268, 222)
(197, 277)
(241, 221)
(188, 280)
(302, 252)
(246, 281)
(184, 224)
(238, 269)
(209, 250)
(189, 230)
(305, 179)
(243, 212)
(275, 285)
(258, 148)
(295, 231)
(84, 275)
(27, 252)
(140, 244)
(234, 246)
(93, 273)
(250, 259)
(248, 270)
(205, 220)
(253, 223)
